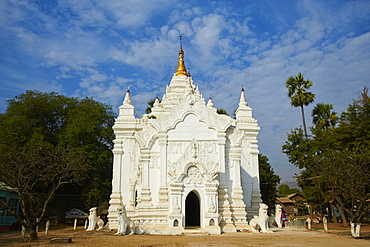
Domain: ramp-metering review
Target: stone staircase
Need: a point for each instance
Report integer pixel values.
(194, 231)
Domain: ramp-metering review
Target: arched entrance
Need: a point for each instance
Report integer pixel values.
(192, 210)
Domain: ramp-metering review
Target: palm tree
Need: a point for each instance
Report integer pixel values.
(297, 92)
(323, 117)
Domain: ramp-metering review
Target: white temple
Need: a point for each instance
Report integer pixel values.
(184, 165)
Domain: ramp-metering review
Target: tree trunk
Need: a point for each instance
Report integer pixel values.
(342, 215)
(358, 227)
(332, 213)
(33, 233)
(304, 122)
(355, 229)
(61, 215)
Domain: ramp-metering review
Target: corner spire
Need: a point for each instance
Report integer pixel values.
(181, 70)
(243, 101)
(127, 100)
(210, 103)
(243, 111)
(127, 110)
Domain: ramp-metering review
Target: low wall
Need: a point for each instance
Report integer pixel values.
(296, 224)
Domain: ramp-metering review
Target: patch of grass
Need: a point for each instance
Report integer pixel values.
(316, 228)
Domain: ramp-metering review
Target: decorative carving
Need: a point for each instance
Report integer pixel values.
(139, 172)
(212, 207)
(171, 170)
(176, 205)
(153, 162)
(174, 147)
(194, 149)
(211, 176)
(193, 176)
(194, 154)
(174, 167)
(191, 99)
(215, 121)
(209, 147)
(145, 135)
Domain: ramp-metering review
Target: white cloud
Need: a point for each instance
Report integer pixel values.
(152, 55)
(179, 15)
(134, 13)
(207, 32)
(102, 88)
(85, 13)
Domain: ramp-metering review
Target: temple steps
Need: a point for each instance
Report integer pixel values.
(194, 231)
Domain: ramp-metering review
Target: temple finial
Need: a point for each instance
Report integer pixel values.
(181, 41)
(181, 70)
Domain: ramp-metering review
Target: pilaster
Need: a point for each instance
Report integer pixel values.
(163, 191)
(145, 199)
(256, 192)
(211, 224)
(176, 216)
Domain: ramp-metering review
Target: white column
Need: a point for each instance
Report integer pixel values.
(237, 174)
(117, 164)
(256, 193)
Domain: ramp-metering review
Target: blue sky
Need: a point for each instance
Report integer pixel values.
(99, 48)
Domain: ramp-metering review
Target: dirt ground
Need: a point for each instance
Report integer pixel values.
(337, 236)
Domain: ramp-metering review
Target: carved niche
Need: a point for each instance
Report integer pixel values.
(193, 176)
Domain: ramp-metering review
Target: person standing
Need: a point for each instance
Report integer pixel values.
(284, 217)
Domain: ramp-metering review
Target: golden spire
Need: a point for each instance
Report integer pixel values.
(181, 70)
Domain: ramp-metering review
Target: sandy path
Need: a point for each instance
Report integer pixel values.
(284, 237)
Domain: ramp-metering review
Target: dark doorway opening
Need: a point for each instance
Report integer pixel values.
(192, 210)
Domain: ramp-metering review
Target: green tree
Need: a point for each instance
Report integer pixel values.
(285, 190)
(323, 117)
(335, 162)
(222, 111)
(299, 95)
(297, 148)
(150, 103)
(301, 152)
(348, 177)
(268, 181)
(52, 121)
(354, 129)
(88, 130)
